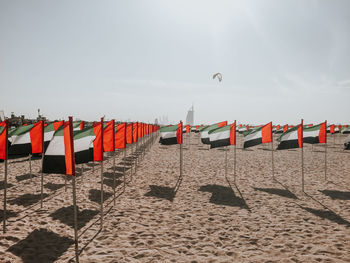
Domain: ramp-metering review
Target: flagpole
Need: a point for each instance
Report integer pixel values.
(226, 149)
(302, 156)
(114, 183)
(30, 167)
(101, 173)
(272, 158)
(75, 213)
(42, 166)
(75, 220)
(5, 195)
(325, 155)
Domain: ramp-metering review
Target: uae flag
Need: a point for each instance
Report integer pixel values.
(49, 131)
(55, 157)
(4, 127)
(26, 139)
(346, 130)
(223, 136)
(315, 134)
(291, 138)
(205, 131)
(171, 134)
(347, 143)
(258, 135)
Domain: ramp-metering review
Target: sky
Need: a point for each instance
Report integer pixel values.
(137, 60)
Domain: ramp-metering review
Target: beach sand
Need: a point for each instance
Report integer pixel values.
(209, 218)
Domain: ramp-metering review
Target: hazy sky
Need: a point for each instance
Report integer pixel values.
(138, 60)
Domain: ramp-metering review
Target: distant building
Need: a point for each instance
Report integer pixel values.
(190, 117)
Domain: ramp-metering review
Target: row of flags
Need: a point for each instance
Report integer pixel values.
(90, 141)
(221, 134)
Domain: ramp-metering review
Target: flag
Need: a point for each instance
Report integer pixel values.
(109, 137)
(171, 134)
(82, 125)
(69, 147)
(26, 139)
(223, 136)
(37, 137)
(49, 131)
(292, 138)
(345, 130)
(346, 143)
(55, 155)
(98, 142)
(258, 136)
(179, 135)
(315, 134)
(120, 136)
(205, 130)
(134, 132)
(129, 133)
(4, 129)
(188, 128)
(285, 127)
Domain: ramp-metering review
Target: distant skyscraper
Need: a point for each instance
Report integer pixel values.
(190, 117)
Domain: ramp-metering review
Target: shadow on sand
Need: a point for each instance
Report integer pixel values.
(95, 195)
(23, 177)
(162, 192)
(330, 215)
(41, 246)
(2, 185)
(65, 216)
(334, 194)
(277, 191)
(53, 187)
(27, 199)
(223, 195)
(9, 214)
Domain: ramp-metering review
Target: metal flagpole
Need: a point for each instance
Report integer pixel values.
(101, 173)
(272, 159)
(42, 168)
(42, 182)
(325, 155)
(302, 155)
(5, 196)
(226, 149)
(124, 169)
(114, 183)
(234, 160)
(75, 214)
(30, 167)
(101, 192)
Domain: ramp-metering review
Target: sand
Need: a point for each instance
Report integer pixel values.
(209, 219)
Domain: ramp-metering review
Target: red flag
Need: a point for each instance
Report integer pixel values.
(339, 127)
(134, 132)
(37, 137)
(120, 136)
(266, 133)
(285, 127)
(332, 129)
(233, 134)
(4, 130)
(300, 134)
(82, 125)
(57, 124)
(222, 124)
(278, 127)
(129, 133)
(188, 128)
(109, 137)
(179, 133)
(69, 147)
(98, 142)
(322, 136)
